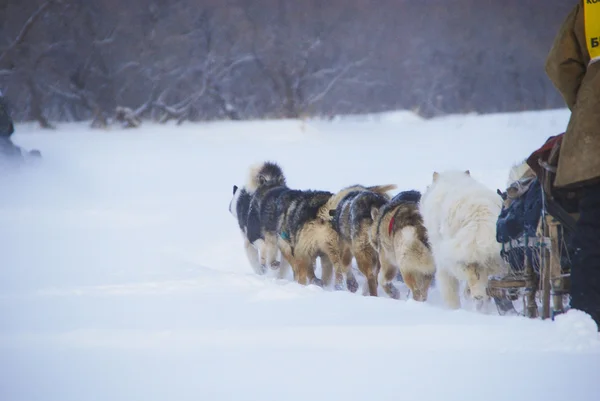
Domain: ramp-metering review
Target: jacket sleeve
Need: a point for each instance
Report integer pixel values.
(565, 65)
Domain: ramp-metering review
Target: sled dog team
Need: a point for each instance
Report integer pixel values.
(447, 232)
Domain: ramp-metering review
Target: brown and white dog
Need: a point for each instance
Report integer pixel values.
(402, 243)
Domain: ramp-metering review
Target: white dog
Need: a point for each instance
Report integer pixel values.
(460, 216)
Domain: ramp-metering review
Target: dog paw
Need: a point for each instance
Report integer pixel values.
(338, 287)
(392, 291)
(352, 284)
(275, 264)
(317, 281)
(419, 296)
(479, 302)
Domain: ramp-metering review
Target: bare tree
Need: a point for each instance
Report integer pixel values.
(296, 57)
(27, 26)
(210, 68)
(18, 53)
(64, 60)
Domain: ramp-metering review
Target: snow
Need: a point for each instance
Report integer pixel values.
(124, 276)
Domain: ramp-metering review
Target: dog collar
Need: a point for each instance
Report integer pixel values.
(391, 226)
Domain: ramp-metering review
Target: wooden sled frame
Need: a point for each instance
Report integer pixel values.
(551, 284)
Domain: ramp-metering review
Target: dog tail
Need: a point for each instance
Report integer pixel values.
(264, 173)
(382, 189)
(408, 235)
(412, 253)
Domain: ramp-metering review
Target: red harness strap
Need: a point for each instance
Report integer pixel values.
(391, 226)
(543, 153)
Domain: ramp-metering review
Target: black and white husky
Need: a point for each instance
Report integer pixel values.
(244, 207)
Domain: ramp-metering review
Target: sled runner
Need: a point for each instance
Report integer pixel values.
(535, 229)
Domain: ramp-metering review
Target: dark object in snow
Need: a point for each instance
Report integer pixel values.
(11, 154)
(6, 123)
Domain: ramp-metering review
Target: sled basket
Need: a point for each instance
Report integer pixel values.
(538, 258)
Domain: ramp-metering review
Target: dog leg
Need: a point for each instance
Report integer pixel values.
(351, 282)
(371, 285)
(372, 282)
(341, 264)
(424, 282)
(411, 282)
(262, 246)
(252, 255)
(376, 271)
(271, 251)
(295, 270)
(389, 272)
(327, 271)
(286, 255)
(449, 288)
(305, 266)
(367, 266)
(477, 280)
(303, 270)
(312, 278)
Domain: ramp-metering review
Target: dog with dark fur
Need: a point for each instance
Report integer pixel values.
(299, 224)
(352, 221)
(303, 236)
(246, 212)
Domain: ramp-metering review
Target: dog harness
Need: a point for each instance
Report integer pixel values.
(591, 13)
(391, 226)
(284, 235)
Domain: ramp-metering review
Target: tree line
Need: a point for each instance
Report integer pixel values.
(110, 60)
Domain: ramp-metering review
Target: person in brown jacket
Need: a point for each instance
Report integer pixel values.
(573, 66)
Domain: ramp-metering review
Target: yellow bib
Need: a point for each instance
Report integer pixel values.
(592, 27)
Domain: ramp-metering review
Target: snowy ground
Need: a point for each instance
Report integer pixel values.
(123, 275)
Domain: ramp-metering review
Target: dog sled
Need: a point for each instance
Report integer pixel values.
(535, 228)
